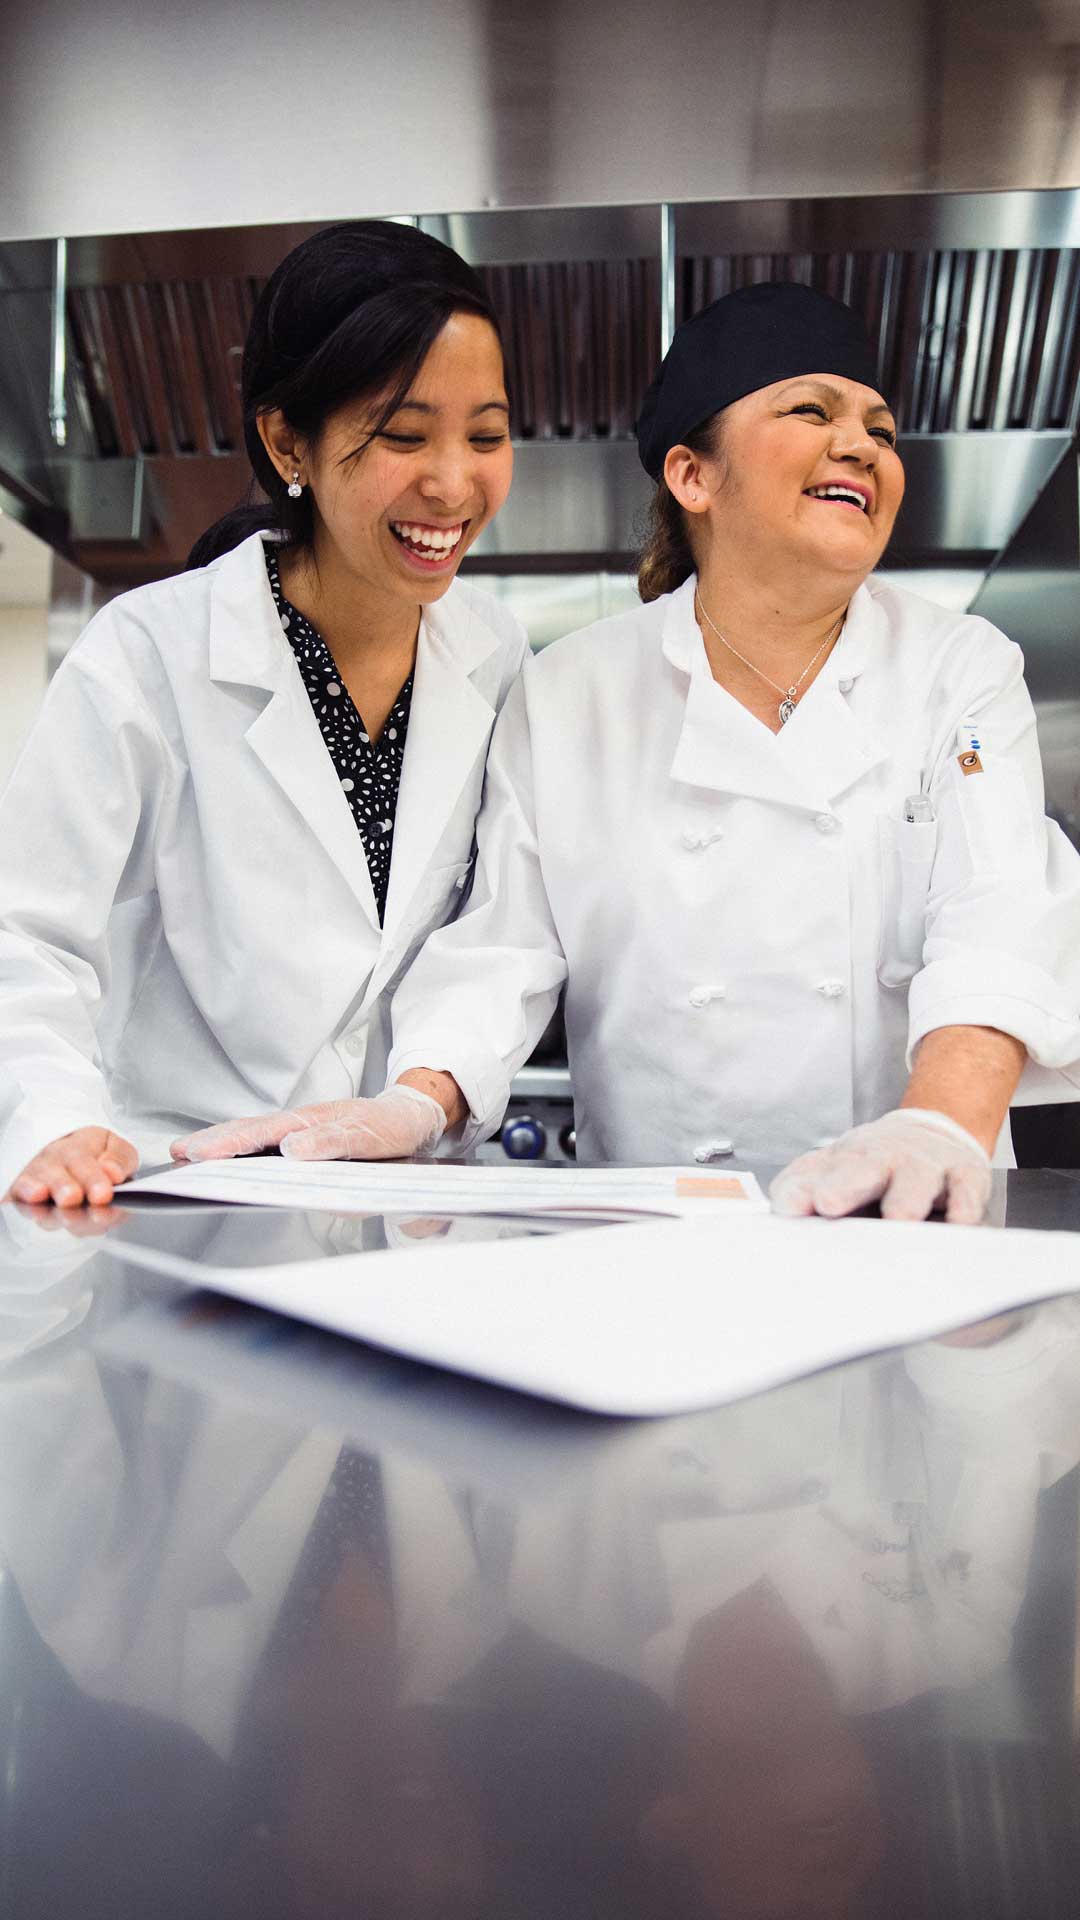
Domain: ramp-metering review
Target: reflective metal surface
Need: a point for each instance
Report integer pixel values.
(966, 495)
(525, 103)
(288, 1629)
(973, 300)
(1033, 595)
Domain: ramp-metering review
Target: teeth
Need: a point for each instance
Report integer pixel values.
(429, 540)
(838, 493)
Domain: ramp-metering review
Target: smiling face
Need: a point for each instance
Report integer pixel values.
(806, 472)
(399, 513)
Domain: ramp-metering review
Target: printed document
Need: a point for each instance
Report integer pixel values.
(438, 1187)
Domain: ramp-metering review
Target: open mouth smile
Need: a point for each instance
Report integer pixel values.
(841, 496)
(430, 548)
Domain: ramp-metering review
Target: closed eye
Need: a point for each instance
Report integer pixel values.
(885, 434)
(417, 439)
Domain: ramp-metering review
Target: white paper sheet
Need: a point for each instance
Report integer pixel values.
(443, 1187)
(664, 1316)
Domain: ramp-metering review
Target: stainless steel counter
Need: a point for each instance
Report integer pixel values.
(288, 1628)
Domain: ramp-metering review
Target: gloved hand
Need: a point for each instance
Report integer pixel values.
(909, 1160)
(395, 1125)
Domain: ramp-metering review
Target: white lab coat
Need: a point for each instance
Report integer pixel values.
(188, 930)
(753, 937)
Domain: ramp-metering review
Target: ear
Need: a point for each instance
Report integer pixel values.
(281, 443)
(686, 480)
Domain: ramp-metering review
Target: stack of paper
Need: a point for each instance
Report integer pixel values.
(446, 1187)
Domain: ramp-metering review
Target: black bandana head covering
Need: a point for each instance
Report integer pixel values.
(745, 341)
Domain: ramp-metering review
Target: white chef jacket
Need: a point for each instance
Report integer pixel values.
(188, 930)
(890, 1504)
(753, 937)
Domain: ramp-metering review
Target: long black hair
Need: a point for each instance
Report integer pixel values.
(351, 312)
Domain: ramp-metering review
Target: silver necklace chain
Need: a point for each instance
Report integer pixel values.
(789, 695)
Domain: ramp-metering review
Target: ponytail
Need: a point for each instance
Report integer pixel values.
(229, 531)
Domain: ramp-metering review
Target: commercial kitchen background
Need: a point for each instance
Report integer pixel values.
(609, 169)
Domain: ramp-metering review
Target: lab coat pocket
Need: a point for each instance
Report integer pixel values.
(907, 851)
(440, 896)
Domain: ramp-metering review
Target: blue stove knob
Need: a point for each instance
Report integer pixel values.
(524, 1138)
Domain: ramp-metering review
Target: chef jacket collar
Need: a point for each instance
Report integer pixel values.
(682, 643)
(824, 749)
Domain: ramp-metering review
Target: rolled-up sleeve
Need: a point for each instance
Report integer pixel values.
(1002, 942)
(482, 990)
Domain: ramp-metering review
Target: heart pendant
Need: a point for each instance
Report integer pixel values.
(787, 708)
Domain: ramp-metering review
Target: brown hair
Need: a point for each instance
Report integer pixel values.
(667, 557)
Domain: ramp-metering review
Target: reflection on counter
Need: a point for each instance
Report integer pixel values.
(292, 1630)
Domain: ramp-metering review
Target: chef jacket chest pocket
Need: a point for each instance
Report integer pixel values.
(907, 849)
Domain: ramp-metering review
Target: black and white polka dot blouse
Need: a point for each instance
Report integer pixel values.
(369, 771)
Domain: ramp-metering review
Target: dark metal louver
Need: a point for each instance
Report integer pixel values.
(968, 341)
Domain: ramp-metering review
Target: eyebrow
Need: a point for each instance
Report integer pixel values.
(422, 406)
(834, 393)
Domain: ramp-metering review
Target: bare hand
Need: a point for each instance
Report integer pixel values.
(82, 1166)
(80, 1223)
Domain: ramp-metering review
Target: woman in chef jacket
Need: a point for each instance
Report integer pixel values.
(252, 790)
(780, 831)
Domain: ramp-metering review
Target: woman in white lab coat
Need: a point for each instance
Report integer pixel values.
(199, 911)
(780, 832)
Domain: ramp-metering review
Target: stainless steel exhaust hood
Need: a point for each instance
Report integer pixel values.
(973, 300)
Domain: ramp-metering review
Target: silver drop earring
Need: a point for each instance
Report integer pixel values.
(295, 489)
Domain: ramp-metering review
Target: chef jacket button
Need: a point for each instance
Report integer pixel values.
(356, 1043)
(845, 686)
(701, 996)
(461, 879)
(832, 989)
(713, 1150)
(826, 823)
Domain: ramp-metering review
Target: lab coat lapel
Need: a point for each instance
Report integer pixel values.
(248, 648)
(821, 752)
(449, 726)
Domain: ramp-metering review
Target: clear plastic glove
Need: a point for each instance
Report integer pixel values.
(400, 1124)
(910, 1160)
